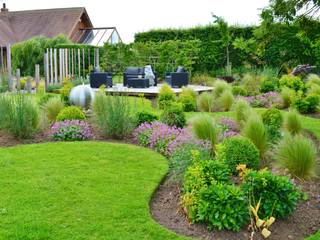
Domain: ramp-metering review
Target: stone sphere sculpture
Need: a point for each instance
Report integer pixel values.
(81, 96)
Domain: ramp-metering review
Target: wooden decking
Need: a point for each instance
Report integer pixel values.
(152, 91)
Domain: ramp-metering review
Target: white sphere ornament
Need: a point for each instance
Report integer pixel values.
(81, 96)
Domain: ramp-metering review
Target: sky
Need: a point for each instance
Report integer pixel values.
(132, 16)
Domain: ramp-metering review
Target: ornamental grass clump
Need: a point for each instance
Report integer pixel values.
(71, 130)
(292, 122)
(53, 107)
(225, 101)
(205, 102)
(242, 111)
(297, 154)
(255, 130)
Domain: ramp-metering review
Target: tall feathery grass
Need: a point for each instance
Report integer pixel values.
(255, 130)
(297, 154)
(226, 100)
(242, 111)
(292, 122)
(53, 107)
(205, 102)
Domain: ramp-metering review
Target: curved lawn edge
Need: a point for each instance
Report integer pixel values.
(34, 163)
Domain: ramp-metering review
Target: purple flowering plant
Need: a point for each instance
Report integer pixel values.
(268, 100)
(71, 130)
(229, 128)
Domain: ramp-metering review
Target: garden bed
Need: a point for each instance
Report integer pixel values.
(305, 221)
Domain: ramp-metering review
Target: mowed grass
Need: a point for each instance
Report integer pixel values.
(79, 190)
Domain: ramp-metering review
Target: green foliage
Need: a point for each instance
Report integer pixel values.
(269, 84)
(292, 122)
(204, 128)
(188, 99)
(279, 197)
(220, 87)
(225, 101)
(182, 158)
(223, 207)
(53, 107)
(145, 116)
(242, 111)
(297, 154)
(205, 102)
(313, 79)
(19, 115)
(293, 82)
(112, 114)
(65, 90)
(238, 150)
(287, 96)
(166, 96)
(308, 104)
(255, 130)
(30, 52)
(70, 113)
(173, 115)
(239, 91)
(273, 120)
(202, 79)
(251, 83)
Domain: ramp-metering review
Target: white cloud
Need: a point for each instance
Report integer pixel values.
(141, 15)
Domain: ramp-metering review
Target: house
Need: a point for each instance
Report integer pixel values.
(75, 23)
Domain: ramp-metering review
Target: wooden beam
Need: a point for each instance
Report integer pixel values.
(9, 68)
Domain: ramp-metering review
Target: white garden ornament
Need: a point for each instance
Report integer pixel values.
(82, 96)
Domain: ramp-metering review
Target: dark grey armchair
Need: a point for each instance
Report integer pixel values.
(178, 79)
(134, 77)
(97, 79)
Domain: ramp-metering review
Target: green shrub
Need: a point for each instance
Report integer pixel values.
(308, 104)
(70, 113)
(242, 111)
(255, 130)
(182, 158)
(53, 107)
(19, 115)
(225, 101)
(223, 207)
(297, 154)
(238, 150)
(219, 87)
(292, 122)
(144, 116)
(239, 91)
(65, 90)
(313, 89)
(251, 83)
(166, 96)
(313, 79)
(279, 197)
(173, 115)
(269, 84)
(205, 102)
(293, 82)
(188, 99)
(287, 96)
(204, 128)
(273, 120)
(112, 114)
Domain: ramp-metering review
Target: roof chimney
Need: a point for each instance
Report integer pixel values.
(4, 8)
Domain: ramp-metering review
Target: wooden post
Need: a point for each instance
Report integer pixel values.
(66, 62)
(60, 66)
(18, 86)
(97, 57)
(72, 62)
(55, 67)
(79, 73)
(51, 66)
(29, 85)
(37, 76)
(83, 65)
(46, 71)
(1, 58)
(10, 80)
(62, 63)
(89, 57)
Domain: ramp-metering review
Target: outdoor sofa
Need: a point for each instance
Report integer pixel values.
(134, 77)
(177, 79)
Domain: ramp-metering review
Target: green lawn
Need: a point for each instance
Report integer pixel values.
(79, 190)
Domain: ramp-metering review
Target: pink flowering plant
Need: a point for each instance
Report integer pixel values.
(71, 130)
(268, 100)
(229, 128)
(163, 138)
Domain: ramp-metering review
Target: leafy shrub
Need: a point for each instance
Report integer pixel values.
(279, 197)
(269, 84)
(223, 207)
(65, 90)
(308, 104)
(255, 130)
(287, 96)
(225, 101)
(71, 130)
(238, 150)
(220, 87)
(251, 83)
(182, 158)
(166, 96)
(297, 154)
(70, 113)
(53, 107)
(173, 115)
(188, 99)
(144, 116)
(293, 82)
(205, 102)
(292, 122)
(113, 115)
(19, 115)
(239, 91)
(242, 111)
(205, 129)
(273, 120)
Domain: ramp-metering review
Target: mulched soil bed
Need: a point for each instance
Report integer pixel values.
(304, 222)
